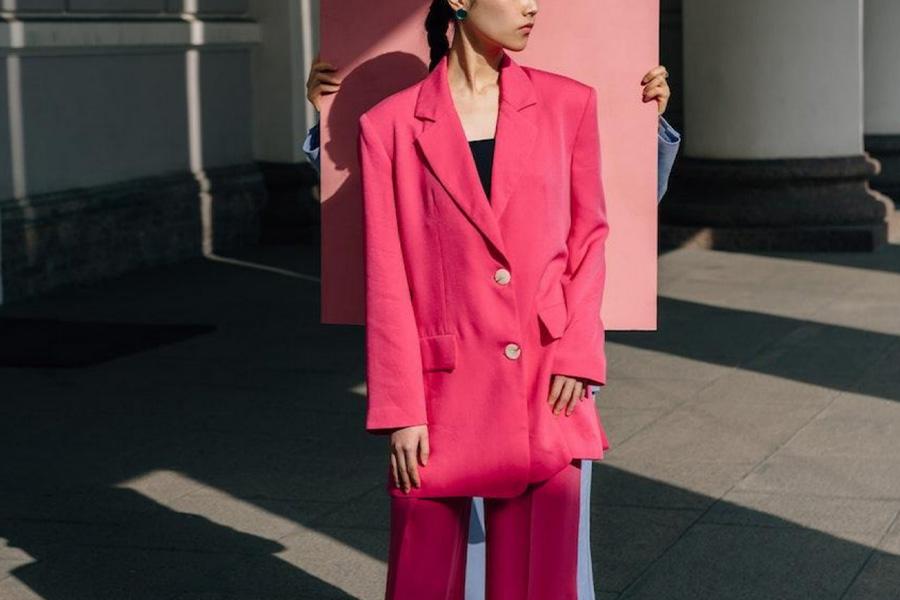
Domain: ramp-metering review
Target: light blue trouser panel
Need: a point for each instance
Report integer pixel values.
(475, 559)
(585, 563)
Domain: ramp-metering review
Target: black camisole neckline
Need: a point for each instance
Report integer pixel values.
(483, 154)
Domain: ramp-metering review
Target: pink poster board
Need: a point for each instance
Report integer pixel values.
(609, 44)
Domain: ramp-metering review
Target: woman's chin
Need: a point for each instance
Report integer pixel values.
(517, 45)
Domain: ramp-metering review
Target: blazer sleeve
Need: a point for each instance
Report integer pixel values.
(311, 147)
(667, 148)
(580, 351)
(394, 380)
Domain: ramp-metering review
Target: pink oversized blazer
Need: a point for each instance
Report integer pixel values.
(472, 305)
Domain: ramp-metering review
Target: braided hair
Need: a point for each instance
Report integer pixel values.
(436, 24)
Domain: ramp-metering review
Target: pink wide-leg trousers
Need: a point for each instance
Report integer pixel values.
(531, 544)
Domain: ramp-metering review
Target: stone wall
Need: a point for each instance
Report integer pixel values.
(83, 235)
(116, 116)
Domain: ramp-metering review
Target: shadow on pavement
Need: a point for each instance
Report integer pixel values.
(233, 464)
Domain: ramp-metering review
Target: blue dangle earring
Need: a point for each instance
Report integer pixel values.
(461, 14)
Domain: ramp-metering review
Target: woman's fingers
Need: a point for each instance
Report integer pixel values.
(555, 389)
(658, 90)
(577, 392)
(566, 392)
(560, 392)
(656, 86)
(408, 446)
(412, 465)
(424, 450)
(394, 470)
(401, 467)
(658, 70)
(317, 69)
(565, 396)
(319, 76)
(323, 78)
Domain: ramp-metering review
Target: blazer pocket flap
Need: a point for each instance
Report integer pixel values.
(554, 318)
(438, 352)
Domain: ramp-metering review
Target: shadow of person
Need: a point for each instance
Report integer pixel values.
(342, 228)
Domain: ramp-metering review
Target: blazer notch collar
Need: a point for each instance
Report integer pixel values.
(445, 148)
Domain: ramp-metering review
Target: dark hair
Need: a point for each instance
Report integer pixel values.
(436, 24)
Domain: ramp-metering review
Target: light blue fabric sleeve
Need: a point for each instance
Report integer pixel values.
(667, 147)
(311, 146)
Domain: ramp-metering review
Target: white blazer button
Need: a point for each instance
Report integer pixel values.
(502, 276)
(513, 351)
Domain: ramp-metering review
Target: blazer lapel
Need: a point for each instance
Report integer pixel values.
(446, 150)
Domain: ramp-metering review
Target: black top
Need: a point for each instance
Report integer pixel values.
(483, 153)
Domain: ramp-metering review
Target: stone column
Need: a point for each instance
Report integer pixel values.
(882, 102)
(283, 116)
(772, 157)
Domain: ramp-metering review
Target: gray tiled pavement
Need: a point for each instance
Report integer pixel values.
(756, 440)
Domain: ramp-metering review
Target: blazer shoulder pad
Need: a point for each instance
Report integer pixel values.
(394, 104)
(559, 91)
(557, 82)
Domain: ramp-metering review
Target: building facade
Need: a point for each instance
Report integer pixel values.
(140, 132)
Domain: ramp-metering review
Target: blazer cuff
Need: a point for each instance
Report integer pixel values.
(311, 146)
(581, 353)
(383, 420)
(667, 133)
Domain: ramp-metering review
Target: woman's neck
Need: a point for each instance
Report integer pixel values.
(471, 68)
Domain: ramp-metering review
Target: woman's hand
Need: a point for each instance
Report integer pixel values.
(566, 392)
(655, 86)
(408, 445)
(320, 82)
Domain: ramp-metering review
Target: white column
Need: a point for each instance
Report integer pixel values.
(280, 68)
(773, 117)
(773, 78)
(882, 102)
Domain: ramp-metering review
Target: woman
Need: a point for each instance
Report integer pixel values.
(655, 88)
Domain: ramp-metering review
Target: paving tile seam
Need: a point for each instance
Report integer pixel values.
(705, 511)
(814, 496)
(788, 526)
(51, 521)
(850, 285)
(165, 549)
(877, 364)
(651, 378)
(831, 399)
(632, 408)
(338, 506)
(688, 401)
(613, 591)
(874, 550)
(640, 575)
(644, 506)
(254, 497)
(625, 463)
(324, 529)
(765, 458)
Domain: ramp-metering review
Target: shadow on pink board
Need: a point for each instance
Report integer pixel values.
(609, 44)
